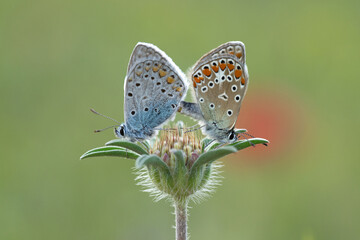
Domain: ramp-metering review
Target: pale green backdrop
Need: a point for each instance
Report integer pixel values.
(59, 58)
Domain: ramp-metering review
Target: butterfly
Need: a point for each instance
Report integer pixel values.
(154, 87)
(220, 79)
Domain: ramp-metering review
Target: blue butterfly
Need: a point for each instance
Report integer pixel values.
(154, 87)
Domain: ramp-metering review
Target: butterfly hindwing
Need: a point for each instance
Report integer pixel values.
(220, 80)
(154, 86)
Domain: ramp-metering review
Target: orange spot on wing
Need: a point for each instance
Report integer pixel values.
(162, 73)
(222, 66)
(206, 72)
(194, 84)
(239, 54)
(178, 89)
(238, 73)
(232, 53)
(170, 80)
(231, 67)
(197, 79)
(242, 81)
(215, 68)
(201, 78)
(155, 69)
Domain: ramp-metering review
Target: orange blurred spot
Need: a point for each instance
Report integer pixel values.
(201, 78)
(278, 115)
(222, 66)
(197, 79)
(155, 69)
(232, 53)
(194, 84)
(239, 54)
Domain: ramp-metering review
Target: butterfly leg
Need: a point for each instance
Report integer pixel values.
(142, 144)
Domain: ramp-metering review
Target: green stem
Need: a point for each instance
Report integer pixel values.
(181, 220)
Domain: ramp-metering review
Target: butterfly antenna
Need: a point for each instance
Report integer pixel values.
(100, 130)
(93, 111)
(166, 129)
(265, 144)
(192, 130)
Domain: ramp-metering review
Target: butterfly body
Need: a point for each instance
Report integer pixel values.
(220, 79)
(154, 87)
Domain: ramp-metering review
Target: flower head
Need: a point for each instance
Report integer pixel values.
(177, 164)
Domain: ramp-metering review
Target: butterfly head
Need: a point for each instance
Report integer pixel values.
(232, 136)
(121, 131)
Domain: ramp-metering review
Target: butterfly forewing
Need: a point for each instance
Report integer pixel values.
(154, 86)
(220, 81)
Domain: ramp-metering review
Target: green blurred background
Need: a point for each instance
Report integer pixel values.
(59, 58)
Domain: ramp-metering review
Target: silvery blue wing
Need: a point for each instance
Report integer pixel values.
(154, 87)
(220, 79)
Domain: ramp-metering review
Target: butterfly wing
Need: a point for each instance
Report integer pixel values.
(220, 81)
(154, 87)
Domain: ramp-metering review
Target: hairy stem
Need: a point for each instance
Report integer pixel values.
(181, 220)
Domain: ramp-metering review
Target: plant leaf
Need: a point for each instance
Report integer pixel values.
(151, 160)
(211, 156)
(126, 144)
(239, 130)
(111, 151)
(246, 143)
(180, 168)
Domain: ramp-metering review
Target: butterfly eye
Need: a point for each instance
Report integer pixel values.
(229, 112)
(222, 51)
(122, 131)
(233, 88)
(223, 78)
(133, 113)
(211, 84)
(212, 106)
(232, 136)
(229, 78)
(130, 94)
(146, 109)
(237, 98)
(201, 100)
(173, 105)
(138, 84)
(204, 89)
(216, 81)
